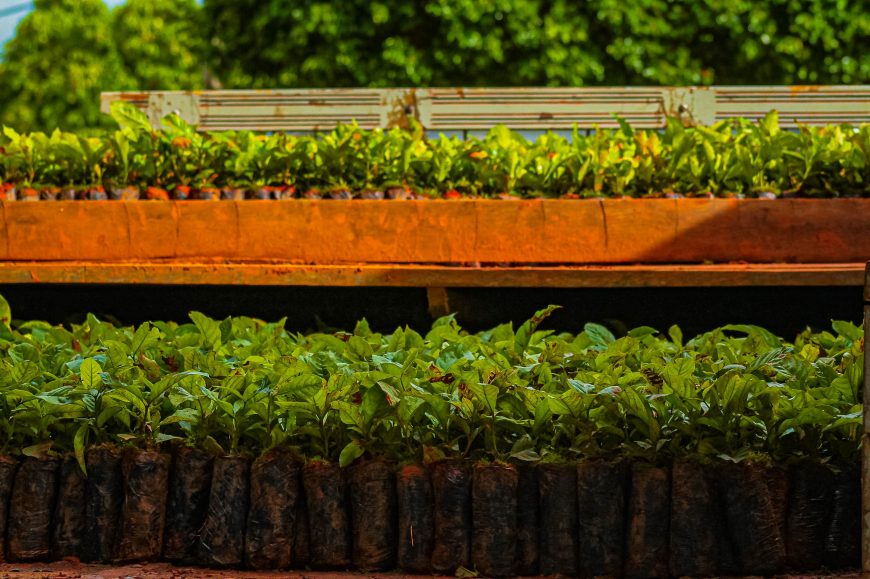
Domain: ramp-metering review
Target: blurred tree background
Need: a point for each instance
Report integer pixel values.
(161, 43)
(66, 51)
(55, 66)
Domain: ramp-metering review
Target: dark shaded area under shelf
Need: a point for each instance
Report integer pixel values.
(784, 310)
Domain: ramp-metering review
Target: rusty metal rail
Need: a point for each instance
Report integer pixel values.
(468, 109)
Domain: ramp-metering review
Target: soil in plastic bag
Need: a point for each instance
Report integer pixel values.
(373, 515)
(275, 482)
(28, 531)
(843, 540)
(328, 522)
(602, 498)
(451, 484)
(187, 504)
(69, 512)
(694, 547)
(778, 489)
(103, 496)
(810, 502)
(416, 519)
(8, 466)
(301, 552)
(494, 515)
(143, 512)
(649, 513)
(528, 517)
(557, 500)
(753, 531)
(222, 537)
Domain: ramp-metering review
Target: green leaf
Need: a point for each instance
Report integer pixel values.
(90, 372)
(524, 333)
(350, 453)
(676, 335)
(642, 331)
(225, 406)
(208, 329)
(678, 375)
(599, 335)
(524, 449)
(79, 446)
(847, 329)
(360, 347)
(486, 393)
(129, 117)
(373, 401)
(37, 450)
(351, 415)
(770, 122)
(5, 312)
(144, 338)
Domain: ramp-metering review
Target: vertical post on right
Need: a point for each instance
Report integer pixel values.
(865, 452)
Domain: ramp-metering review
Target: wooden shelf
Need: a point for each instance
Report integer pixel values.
(530, 232)
(216, 272)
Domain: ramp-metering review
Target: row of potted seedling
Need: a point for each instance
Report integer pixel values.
(734, 158)
(733, 450)
(613, 518)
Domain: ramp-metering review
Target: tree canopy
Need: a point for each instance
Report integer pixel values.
(261, 43)
(66, 51)
(54, 68)
(161, 43)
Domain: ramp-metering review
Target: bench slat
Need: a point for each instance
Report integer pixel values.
(544, 108)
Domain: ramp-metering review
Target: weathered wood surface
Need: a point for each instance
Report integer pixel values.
(211, 271)
(530, 108)
(76, 570)
(529, 232)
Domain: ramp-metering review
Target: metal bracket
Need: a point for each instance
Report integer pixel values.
(184, 104)
(398, 105)
(693, 105)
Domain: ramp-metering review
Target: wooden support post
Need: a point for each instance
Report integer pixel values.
(865, 454)
(439, 304)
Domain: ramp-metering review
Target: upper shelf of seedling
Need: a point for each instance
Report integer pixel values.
(734, 158)
(737, 190)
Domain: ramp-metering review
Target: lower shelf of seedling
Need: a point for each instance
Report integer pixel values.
(239, 444)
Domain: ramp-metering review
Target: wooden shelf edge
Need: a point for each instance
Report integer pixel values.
(401, 275)
(534, 231)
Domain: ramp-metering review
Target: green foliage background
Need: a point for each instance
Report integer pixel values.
(160, 43)
(54, 68)
(67, 51)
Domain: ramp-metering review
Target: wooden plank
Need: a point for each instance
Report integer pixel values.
(537, 108)
(468, 231)
(209, 272)
(809, 104)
